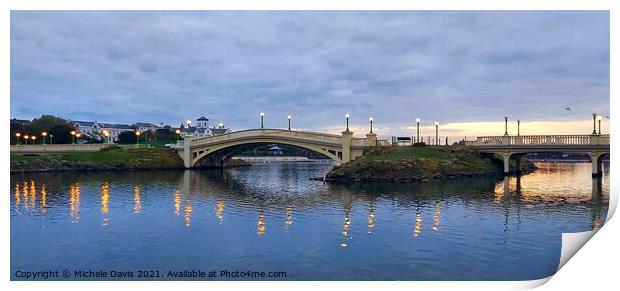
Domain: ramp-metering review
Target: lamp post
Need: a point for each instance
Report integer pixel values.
(370, 119)
(77, 137)
(436, 133)
(417, 136)
(26, 137)
(518, 127)
(347, 117)
(599, 118)
(44, 134)
(34, 138)
(18, 136)
(594, 123)
(178, 134)
(51, 138)
(73, 136)
(289, 122)
(138, 137)
(262, 120)
(189, 126)
(505, 125)
(107, 136)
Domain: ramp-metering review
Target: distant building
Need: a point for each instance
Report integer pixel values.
(202, 129)
(145, 126)
(275, 150)
(21, 122)
(94, 129)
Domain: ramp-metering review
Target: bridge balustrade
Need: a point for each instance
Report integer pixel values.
(582, 139)
(276, 133)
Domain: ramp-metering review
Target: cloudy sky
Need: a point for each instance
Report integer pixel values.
(466, 70)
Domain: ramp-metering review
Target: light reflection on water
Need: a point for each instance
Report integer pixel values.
(273, 218)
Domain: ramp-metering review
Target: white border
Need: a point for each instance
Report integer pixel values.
(593, 266)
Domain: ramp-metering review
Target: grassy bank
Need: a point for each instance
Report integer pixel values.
(107, 159)
(411, 164)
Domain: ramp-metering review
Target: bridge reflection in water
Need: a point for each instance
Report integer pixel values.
(231, 212)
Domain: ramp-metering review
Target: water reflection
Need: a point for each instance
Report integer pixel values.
(137, 199)
(219, 211)
(105, 198)
(482, 216)
(436, 214)
(289, 217)
(74, 202)
(260, 225)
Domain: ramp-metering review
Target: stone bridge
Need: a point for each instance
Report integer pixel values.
(596, 146)
(215, 150)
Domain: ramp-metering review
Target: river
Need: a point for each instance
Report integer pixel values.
(272, 218)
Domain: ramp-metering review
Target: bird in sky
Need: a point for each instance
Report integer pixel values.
(567, 108)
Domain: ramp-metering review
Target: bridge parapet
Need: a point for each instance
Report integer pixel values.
(274, 133)
(582, 139)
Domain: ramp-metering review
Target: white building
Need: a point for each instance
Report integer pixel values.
(202, 129)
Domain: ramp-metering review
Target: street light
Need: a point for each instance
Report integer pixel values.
(505, 125)
(417, 121)
(178, 132)
(436, 133)
(18, 135)
(347, 116)
(44, 134)
(26, 138)
(107, 135)
(599, 118)
(34, 137)
(289, 122)
(138, 136)
(594, 123)
(77, 137)
(518, 127)
(189, 126)
(51, 138)
(73, 136)
(262, 120)
(370, 119)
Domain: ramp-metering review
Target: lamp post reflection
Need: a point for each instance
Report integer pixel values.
(105, 197)
(17, 197)
(436, 214)
(371, 218)
(74, 202)
(289, 217)
(188, 213)
(417, 229)
(43, 199)
(177, 202)
(219, 211)
(260, 225)
(137, 199)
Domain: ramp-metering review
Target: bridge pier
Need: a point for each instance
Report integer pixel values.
(506, 157)
(187, 153)
(596, 159)
(347, 136)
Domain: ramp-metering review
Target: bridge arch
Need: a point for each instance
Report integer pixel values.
(223, 151)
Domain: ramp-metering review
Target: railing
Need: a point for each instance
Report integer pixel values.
(57, 148)
(275, 133)
(583, 139)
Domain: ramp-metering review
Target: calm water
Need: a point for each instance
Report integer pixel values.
(272, 218)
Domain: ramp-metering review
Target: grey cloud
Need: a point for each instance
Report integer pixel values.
(447, 66)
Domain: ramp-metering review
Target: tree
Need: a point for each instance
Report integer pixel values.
(127, 137)
(45, 123)
(60, 133)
